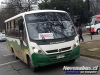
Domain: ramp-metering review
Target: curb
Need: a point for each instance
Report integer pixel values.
(95, 57)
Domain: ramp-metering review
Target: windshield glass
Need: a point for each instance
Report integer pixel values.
(49, 25)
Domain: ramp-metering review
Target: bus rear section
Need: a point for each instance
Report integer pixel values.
(50, 38)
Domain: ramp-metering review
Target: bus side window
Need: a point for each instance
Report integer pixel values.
(6, 29)
(21, 27)
(16, 29)
(12, 28)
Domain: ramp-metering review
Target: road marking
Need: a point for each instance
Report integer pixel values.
(9, 63)
(8, 55)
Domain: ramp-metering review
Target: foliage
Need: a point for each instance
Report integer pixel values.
(13, 8)
(54, 4)
(79, 7)
(5, 14)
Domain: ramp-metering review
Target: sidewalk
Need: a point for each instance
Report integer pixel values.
(87, 37)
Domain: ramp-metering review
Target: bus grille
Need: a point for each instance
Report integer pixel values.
(52, 51)
(64, 49)
(58, 50)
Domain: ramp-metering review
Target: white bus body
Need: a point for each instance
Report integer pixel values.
(42, 37)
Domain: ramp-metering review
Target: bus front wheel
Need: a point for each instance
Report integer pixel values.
(31, 66)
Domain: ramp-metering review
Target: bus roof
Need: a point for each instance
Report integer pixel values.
(29, 12)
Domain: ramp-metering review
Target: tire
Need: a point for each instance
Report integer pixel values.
(72, 61)
(31, 66)
(15, 56)
(98, 31)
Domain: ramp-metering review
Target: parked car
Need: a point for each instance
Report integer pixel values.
(2, 37)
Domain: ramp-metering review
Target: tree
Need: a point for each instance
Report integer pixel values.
(78, 7)
(21, 5)
(13, 8)
(54, 4)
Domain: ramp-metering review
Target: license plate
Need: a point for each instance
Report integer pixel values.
(60, 56)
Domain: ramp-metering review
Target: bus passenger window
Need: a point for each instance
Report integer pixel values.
(16, 29)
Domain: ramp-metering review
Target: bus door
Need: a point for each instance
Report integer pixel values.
(21, 37)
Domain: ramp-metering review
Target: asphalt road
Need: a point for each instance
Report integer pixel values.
(11, 66)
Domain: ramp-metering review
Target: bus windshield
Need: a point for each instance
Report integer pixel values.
(49, 25)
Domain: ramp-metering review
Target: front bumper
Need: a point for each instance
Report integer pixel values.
(43, 60)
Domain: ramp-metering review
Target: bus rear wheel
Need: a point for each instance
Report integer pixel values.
(14, 53)
(31, 66)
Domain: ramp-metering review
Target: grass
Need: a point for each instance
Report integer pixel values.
(89, 45)
(96, 52)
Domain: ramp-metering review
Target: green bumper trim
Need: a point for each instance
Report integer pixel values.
(43, 60)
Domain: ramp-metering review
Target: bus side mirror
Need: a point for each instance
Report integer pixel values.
(20, 23)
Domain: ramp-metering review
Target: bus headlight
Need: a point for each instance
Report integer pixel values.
(38, 51)
(76, 44)
(35, 50)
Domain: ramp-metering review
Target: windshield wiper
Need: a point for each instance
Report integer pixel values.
(43, 38)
